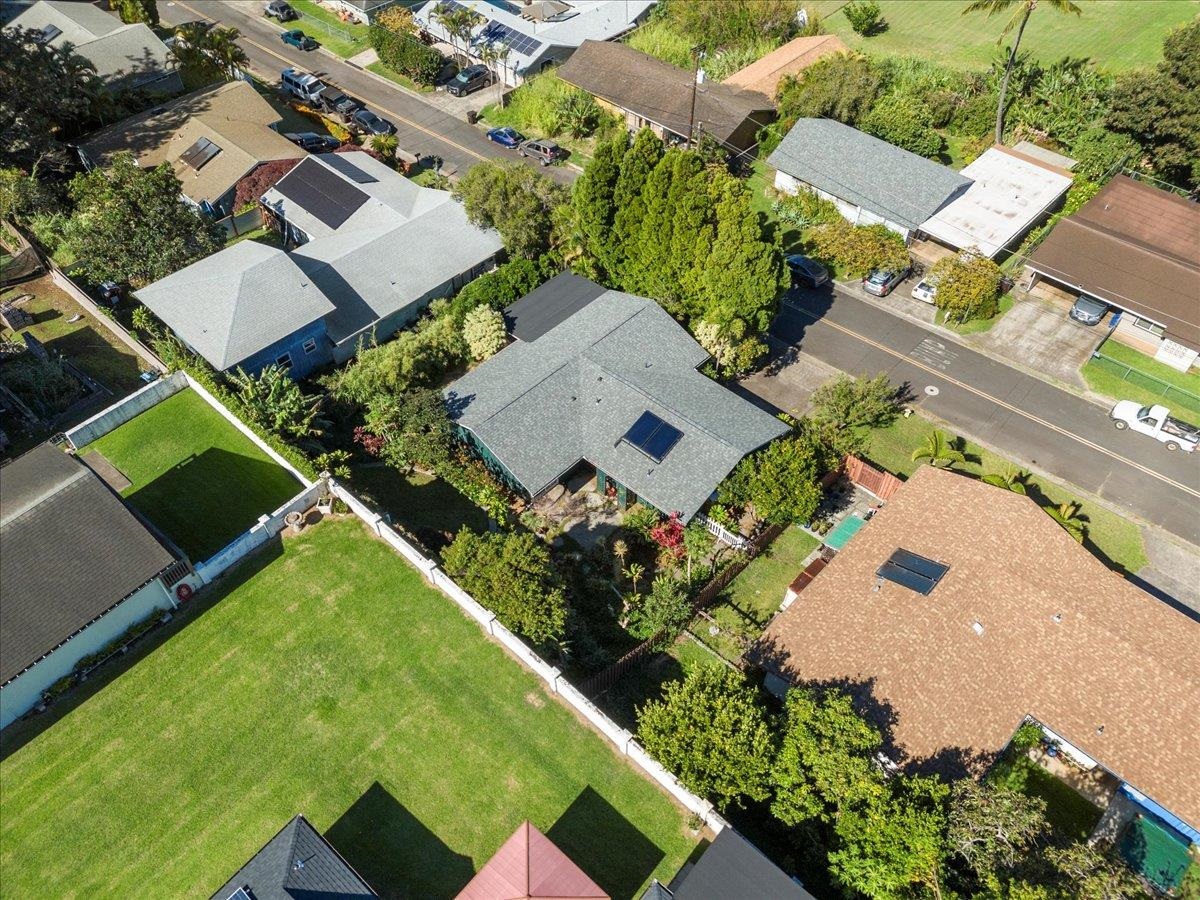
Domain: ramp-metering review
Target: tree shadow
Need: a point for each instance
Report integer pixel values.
(394, 851)
(799, 308)
(605, 845)
(622, 700)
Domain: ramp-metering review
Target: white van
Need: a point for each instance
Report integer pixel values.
(301, 84)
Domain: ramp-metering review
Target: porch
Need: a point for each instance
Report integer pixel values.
(587, 505)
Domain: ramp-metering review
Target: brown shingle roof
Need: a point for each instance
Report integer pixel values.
(763, 75)
(661, 92)
(233, 116)
(528, 866)
(1136, 247)
(1063, 639)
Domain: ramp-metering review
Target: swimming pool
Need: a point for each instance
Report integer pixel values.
(840, 536)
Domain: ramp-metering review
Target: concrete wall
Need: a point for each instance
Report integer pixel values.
(77, 294)
(850, 212)
(247, 542)
(125, 409)
(25, 691)
(619, 737)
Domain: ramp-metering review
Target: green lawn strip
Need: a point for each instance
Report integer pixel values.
(1108, 381)
(1116, 34)
(342, 38)
(1070, 813)
(976, 326)
(754, 596)
(1110, 536)
(86, 343)
(417, 501)
(263, 234)
(330, 680)
(403, 80)
(193, 474)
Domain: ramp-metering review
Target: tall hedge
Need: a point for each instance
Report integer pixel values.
(404, 54)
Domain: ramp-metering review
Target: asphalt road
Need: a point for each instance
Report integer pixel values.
(420, 127)
(1044, 426)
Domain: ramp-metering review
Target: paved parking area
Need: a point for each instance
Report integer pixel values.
(787, 380)
(1039, 336)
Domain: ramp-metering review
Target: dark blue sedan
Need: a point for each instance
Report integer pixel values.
(506, 137)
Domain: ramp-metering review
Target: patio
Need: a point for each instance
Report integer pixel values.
(584, 514)
(845, 509)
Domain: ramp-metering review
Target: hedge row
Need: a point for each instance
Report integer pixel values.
(403, 53)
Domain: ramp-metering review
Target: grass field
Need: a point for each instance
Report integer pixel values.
(417, 501)
(330, 681)
(1111, 537)
(403, 80)
(1070, 813)
(1108, 381)
(193, 474)
(1117, 34)
(756, 593)
(342, 38)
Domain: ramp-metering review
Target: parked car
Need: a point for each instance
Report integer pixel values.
(281, 10)
(1088, 310)
(469, 80)
(925, 291)
(1156, 422)
(371, 123)
(334, 101)
(806, 270)
(298, 39)
(313, 142)
(301, 84)
(506, 137)
(882, 282)
(545, 152)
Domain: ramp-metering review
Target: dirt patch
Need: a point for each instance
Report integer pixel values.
(534, 699)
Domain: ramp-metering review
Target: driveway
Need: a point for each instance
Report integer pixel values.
(1040, 336)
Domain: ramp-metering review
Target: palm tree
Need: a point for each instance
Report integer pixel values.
(1068, 516)
(1011, 480)
(222, 45)
(620, 550)
(634, 573)
(1021, 11)
(458, 23)
(938, 451)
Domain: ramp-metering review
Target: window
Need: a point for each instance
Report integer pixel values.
(285, 361)
(310, 346)
(1146, 325)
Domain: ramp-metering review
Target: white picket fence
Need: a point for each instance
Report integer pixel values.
(622, 739)
(723, 534)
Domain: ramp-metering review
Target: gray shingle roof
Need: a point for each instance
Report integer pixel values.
(131, 54)
(573, 393)
(732, 867)
(296, 864)
(232, 304)
(880, 177)
(72, 551)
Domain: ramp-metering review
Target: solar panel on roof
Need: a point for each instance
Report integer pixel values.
(199, 154)
(917, 573)
(321, 193)
(349, 169)
(652, 436)
(239, 894)
(49, 33)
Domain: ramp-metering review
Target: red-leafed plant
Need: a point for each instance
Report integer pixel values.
(668, 535)
(372, 443)
(261, 180)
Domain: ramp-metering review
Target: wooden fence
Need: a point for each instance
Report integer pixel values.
(635, 658)
(882, 484)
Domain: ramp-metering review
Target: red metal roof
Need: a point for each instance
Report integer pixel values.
(528, 866)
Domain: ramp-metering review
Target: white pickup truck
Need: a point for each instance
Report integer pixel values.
(1156, 422)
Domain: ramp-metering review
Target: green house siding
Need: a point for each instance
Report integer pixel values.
(480, 449)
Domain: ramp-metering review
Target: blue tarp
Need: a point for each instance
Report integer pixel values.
(1171, 819)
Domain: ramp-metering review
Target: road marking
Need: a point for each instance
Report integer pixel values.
(1001, 403)
(409, 122)
(935, 353)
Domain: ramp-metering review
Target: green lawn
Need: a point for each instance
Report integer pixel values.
(976, 326)
(1111, 381)
(193, 474)
(1113, 538)
(417, 501)
(264, 234)
(343, 38)
(86, 343)
(330, 681)
(754, 596)
(1070, 813)
(1117, 34)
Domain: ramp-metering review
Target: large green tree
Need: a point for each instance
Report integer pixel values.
(628, 197)
(968, 285)
(825, 762)
(860, 402)
(594, 207)
(415, 357)
(518, 202)
(511, 573)
(712, 732)
(992, 829)
(783, 480)
(842, 86)
(1160, 108)
(133, 226)
(1021, 10)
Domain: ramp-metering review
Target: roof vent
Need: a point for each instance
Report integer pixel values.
(1056, 618)
(1099, 729)
(977, 627)
(298, 864)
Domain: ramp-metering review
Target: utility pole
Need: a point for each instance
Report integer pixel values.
(697, 53)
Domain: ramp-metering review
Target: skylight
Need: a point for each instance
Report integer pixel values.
(912, 571)
(652, 436)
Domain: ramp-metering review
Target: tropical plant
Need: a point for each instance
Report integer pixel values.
(335, 462)
(385, 145)
(865, 17)
(1021, 11)
(579, 113)
(1069, 515)
(458, 21)
(1013, 480)
(408, 429)
(143, 320)
(620, 550)
(664, 608)
(938, 451)
(274, 401)
(635, 571)
(484, 332)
